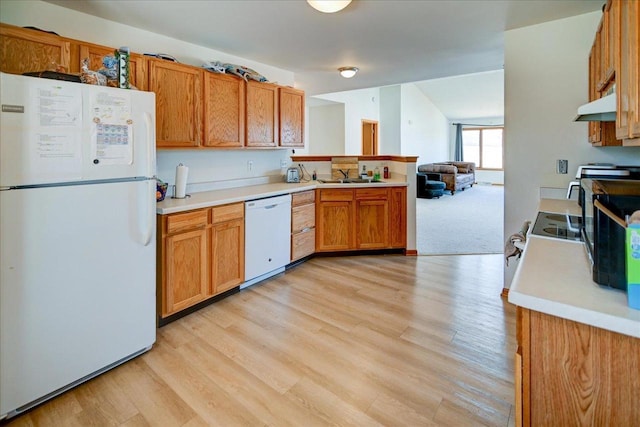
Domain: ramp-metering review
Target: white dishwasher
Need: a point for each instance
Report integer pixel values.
(267, 237)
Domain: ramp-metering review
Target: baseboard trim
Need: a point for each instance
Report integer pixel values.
(411, 252)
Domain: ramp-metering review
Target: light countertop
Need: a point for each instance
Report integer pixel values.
(554, 277)
(240, 194)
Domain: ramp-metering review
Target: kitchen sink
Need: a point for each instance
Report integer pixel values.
(349, 181)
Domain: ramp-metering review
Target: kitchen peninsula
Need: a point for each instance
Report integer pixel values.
(201, 239)
(578, 353)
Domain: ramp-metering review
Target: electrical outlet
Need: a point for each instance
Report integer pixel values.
(283, 163)
(249, 165)
(562, 166)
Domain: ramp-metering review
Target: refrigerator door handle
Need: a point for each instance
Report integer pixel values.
(148, 226)
(151, 144)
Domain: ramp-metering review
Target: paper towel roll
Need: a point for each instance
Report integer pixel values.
(181, 181)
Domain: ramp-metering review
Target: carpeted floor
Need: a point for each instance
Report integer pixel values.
(471, 222)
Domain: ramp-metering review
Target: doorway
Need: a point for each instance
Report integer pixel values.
(369, 138)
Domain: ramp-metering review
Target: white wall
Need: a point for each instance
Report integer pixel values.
(409, 123)
(205, 166)
(545, 81)
(390, 131)
(424, 129)
(358, 105)
(326, 129)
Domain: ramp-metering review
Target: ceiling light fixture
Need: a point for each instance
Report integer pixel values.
(348, 72)
(329, 6)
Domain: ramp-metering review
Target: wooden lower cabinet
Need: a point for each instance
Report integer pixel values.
(183, 255)
(303, 224)
(335, 214)
(360, 219)
(372, 218)
(398, 217)
(200, 255)
(227, 247)
(569, 373)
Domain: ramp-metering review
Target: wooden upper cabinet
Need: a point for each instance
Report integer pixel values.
(224, 110)
(291, 117)
(627, 64)
(608, 45)
(95, 53)
(262, 115)
(178, 90)
(600, 133)
(24, 50)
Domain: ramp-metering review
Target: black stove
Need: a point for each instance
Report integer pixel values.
(557, 226)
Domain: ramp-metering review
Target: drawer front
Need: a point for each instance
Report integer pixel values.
(372, 193)
(187, 221)
(303, 217)
(227, 212)
(303, 198)
(335, 195)
(303, 244)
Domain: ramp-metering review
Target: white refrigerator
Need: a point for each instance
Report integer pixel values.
(77, 234)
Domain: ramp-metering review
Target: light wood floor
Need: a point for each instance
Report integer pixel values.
(366, 340)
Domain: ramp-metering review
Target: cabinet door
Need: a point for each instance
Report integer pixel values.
(634, 73)
(185, 269)
(291, 117)
(581, 375)
(23, 50)
(178, 91)
(227, 255)
(627, 15)
(608, 45)
(262, 115)
(137, 63)
(334, 226)
(398, 217)
(224, 110)
(372, 224)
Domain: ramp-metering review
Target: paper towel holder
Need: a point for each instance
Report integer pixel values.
(173, 188)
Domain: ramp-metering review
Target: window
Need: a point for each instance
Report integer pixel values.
(483, 146)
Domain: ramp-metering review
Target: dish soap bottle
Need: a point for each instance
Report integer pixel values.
(376, 174)
(363, 174)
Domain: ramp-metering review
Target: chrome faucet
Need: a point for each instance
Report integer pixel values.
(345, 174)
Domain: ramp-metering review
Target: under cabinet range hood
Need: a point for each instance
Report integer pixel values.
(600, 110)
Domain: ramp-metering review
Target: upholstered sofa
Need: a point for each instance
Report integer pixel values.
(455, 175)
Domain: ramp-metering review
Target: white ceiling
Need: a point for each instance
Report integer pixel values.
(391, 41)
(478, 95)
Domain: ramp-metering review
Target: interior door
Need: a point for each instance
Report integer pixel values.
(369, 138)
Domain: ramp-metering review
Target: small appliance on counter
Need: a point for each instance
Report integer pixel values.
(606, 205)
(292, 175)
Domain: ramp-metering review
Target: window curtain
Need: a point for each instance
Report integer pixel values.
(458, 148)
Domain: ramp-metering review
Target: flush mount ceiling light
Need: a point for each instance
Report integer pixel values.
(328, 6)
(348, 72)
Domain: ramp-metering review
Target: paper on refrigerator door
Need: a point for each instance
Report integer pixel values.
(111, 128)
(54, 132)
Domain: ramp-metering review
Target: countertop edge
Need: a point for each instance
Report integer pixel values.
(577, 314)
(212, 198)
